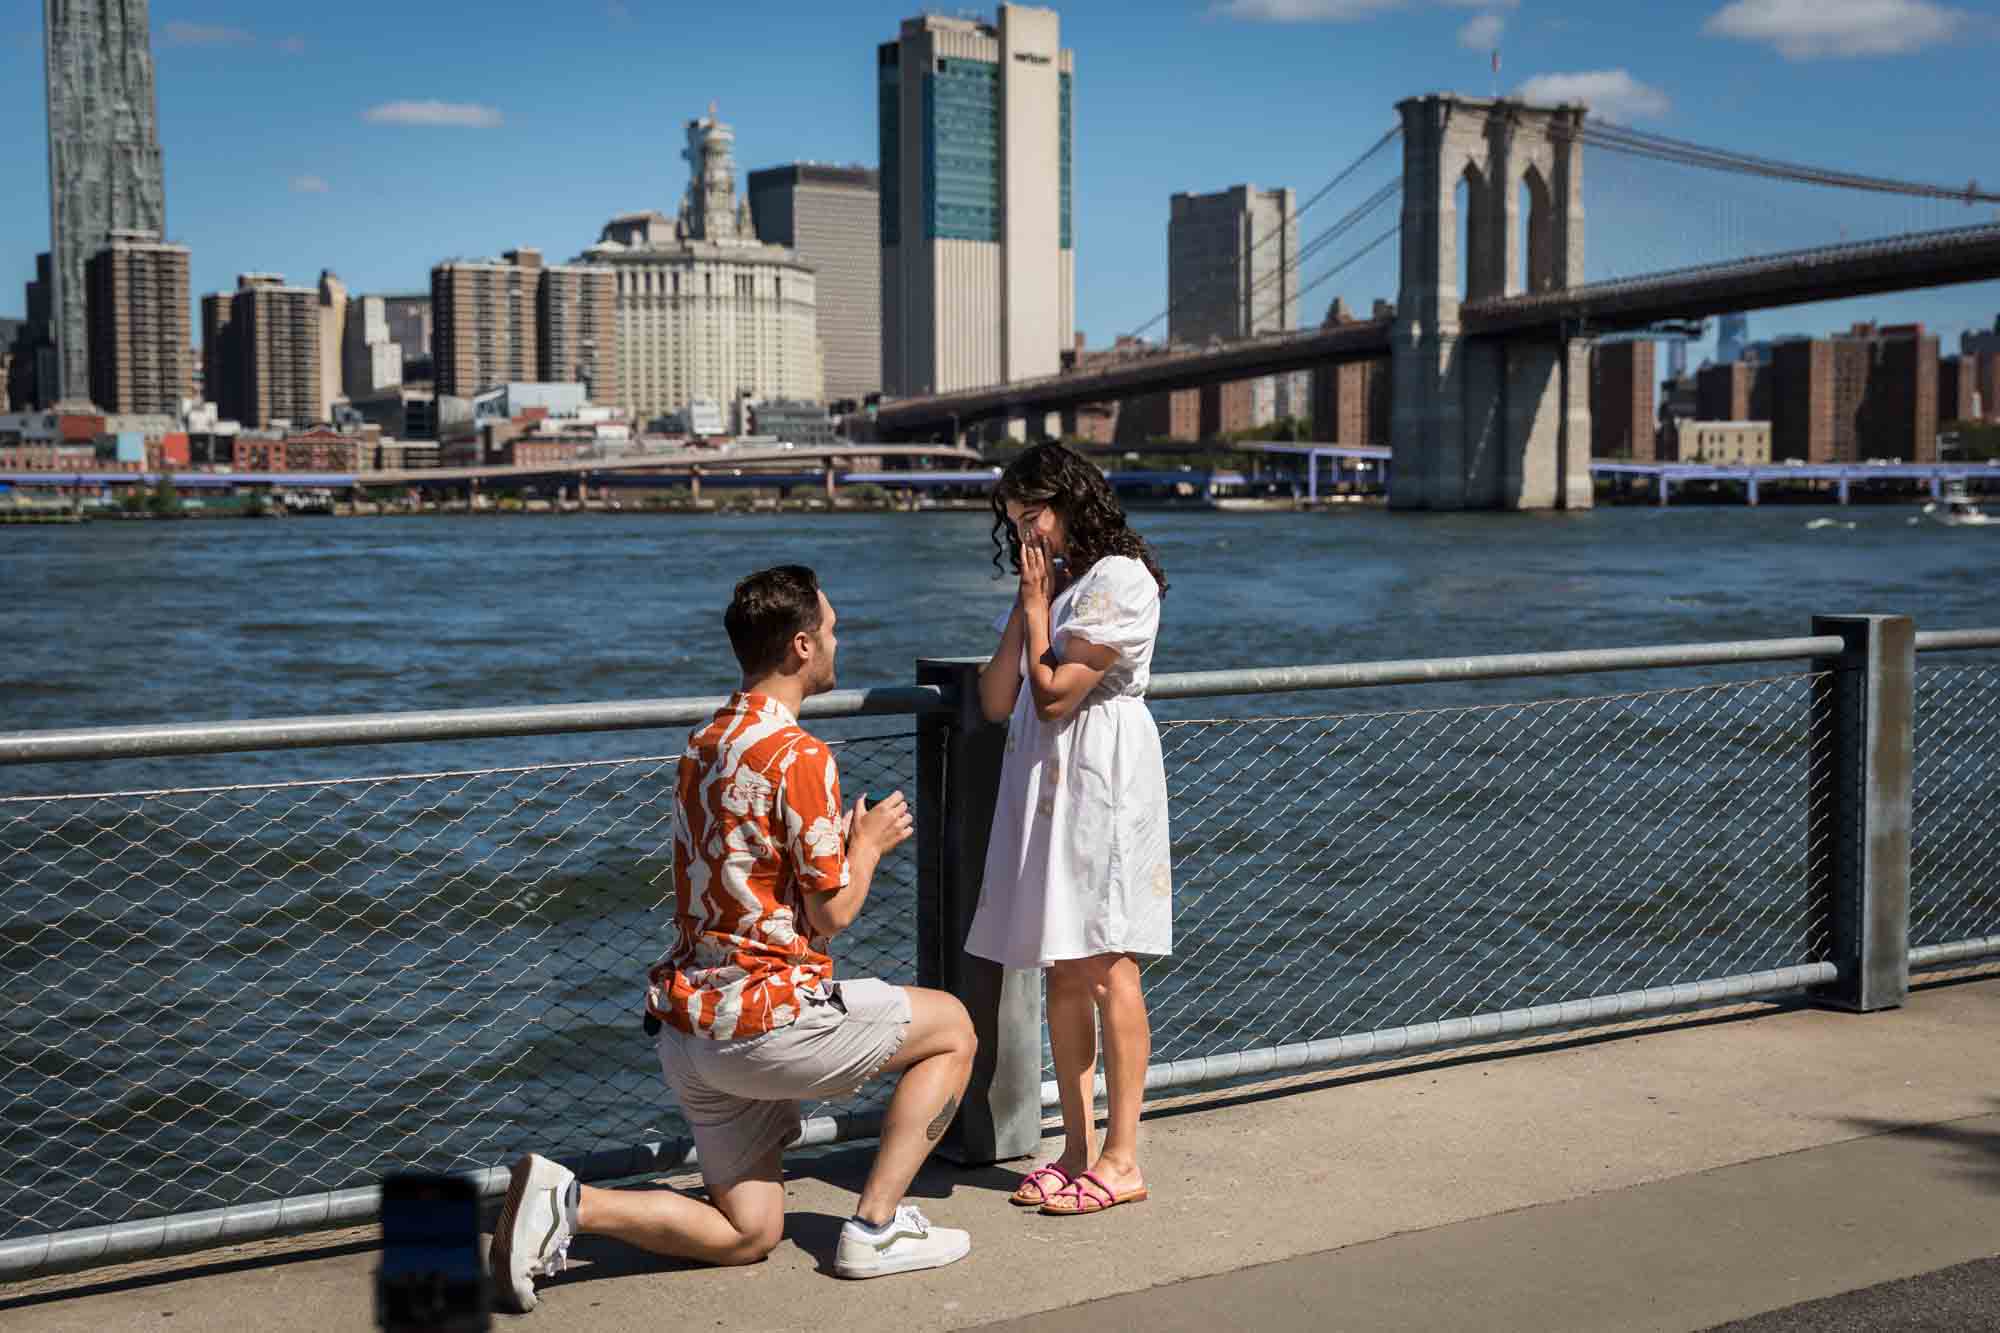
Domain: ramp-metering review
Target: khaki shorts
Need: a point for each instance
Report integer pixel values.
(741, 1098)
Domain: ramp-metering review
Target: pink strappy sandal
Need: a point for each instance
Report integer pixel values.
(1085, 1193)
(1034, 1190)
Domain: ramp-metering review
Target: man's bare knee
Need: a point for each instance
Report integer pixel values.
(964, 1037)
(755, 1245)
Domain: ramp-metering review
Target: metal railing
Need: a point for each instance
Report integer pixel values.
(231, 1008)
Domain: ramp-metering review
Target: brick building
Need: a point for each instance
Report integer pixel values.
(1958, 389)
(1898, 415)
(136, 308)
(1980, 352)
(1108, 422)
(1871, 392)
(517, 320)
(312, 451)
(1351, 403)
(1734, 391)
(260, 349)
(1802, 400)
(1621, 401)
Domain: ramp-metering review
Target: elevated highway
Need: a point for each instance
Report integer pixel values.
(680, 463)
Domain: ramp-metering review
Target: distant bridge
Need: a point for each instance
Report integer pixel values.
(1489, 344)
(1931, 259)
(952, 413)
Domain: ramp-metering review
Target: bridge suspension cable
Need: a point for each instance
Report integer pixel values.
(1354, 258)
(1361, 213)
(1340, 178)
(1640, 143)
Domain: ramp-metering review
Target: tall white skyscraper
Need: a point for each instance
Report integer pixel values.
(978, 272)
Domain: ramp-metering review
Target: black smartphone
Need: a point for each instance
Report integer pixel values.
(431, 1276)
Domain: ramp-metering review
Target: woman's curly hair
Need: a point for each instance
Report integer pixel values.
(1093, 520)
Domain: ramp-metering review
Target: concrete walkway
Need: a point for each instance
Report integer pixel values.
(1671, 1175)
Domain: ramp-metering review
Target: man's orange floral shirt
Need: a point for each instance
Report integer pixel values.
(757, 827)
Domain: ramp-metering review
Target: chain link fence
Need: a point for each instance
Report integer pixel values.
(236, 994)
(248, 993)
(1955, 821)
(1348, 873)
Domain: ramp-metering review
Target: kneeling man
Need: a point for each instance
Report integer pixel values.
(751, 1021)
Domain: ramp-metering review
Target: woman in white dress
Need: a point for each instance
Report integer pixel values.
(1078, 870)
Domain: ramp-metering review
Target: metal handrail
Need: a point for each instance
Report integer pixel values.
(1956, 640)
(451, 724)
(457, 724)
(1359, 675)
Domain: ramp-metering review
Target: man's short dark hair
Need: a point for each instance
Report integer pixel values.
(769, 608)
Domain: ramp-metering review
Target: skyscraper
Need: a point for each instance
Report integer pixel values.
(104, 156)
(832, 216)
(1732, 332)
(31, 379)
(518, 320)
(1232, 272)
(138, 317)
(1232, 264)
(261, 351)
(978, 273)
(485, 331)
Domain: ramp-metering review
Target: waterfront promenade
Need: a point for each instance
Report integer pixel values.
(1669, 1174)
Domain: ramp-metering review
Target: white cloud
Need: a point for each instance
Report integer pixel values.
(207, 34)
(1482, 4)
(457, 115)
(1813, 29)
(310, 185)
(1482, 33)
(293, 45)
(1611, 93)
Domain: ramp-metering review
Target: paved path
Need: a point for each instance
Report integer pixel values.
(1677, 1175)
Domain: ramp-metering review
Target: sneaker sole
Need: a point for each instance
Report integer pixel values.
(885, 1268)
(500, 1255)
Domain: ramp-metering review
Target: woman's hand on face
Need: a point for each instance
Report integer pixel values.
(1034, 575)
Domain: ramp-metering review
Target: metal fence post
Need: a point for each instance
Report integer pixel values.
(958, 774)
(1861, 870)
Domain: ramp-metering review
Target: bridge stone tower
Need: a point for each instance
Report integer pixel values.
(1488, 423)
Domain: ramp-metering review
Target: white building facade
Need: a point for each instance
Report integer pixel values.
(706, 311)
(978, 268)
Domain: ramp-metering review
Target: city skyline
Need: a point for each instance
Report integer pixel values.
(371, 178)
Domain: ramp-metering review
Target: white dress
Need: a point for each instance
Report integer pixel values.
(1079, 862)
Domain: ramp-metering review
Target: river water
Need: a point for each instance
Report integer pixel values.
(328, 963)
(116, 623)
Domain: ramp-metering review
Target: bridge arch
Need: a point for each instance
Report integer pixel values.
(1484, 422)
(1535, 221)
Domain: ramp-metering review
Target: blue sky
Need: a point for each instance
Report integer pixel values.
(377, 139)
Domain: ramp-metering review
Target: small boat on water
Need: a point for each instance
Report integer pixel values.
(1958, 509)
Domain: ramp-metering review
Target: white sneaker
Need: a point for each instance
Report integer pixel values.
(531, 1239)
(907, 1244)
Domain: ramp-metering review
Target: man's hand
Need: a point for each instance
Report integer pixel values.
(880, 829)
